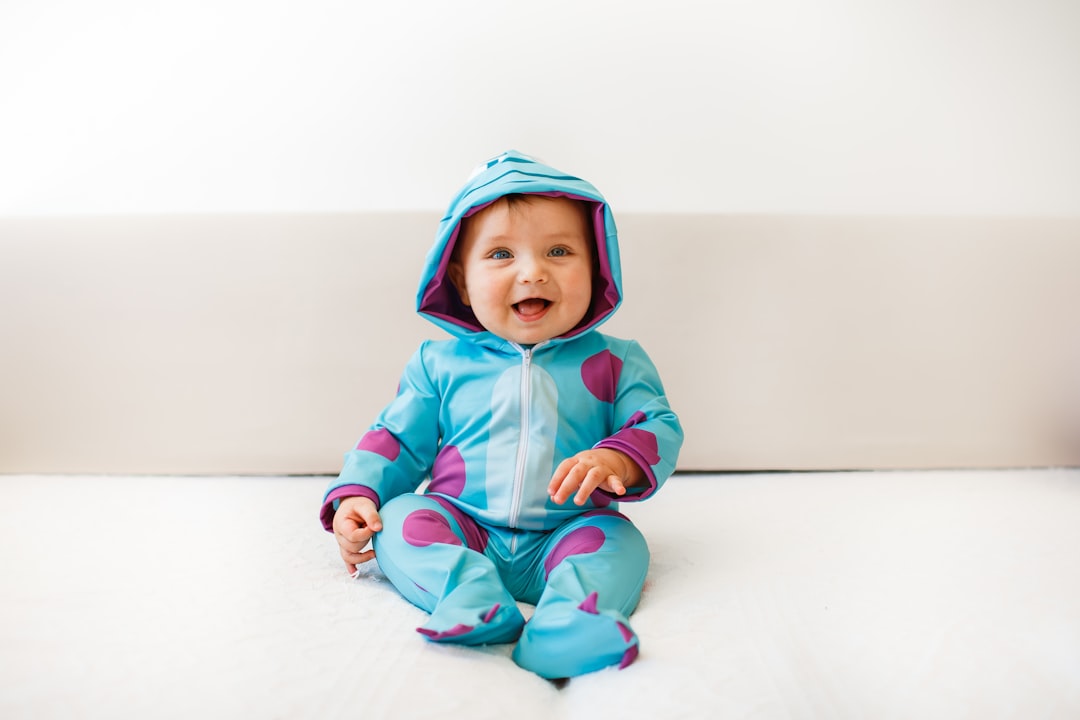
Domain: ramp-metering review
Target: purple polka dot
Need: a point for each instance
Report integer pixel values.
(627, 633)
(638, 417)
(380, 442)
(427, 527)
(641, 440)
(589, 604)
(629, 656)
(448, 474)
(600, 373)
(600, 498)
(476, 537)
(577, 542)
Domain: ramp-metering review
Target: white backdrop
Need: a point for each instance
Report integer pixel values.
(779, 106)
(208, 210)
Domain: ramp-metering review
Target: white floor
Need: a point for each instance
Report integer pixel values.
(837, 595)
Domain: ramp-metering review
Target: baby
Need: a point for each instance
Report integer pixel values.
(530, 425)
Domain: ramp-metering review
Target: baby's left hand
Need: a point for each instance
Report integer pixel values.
(602, 468)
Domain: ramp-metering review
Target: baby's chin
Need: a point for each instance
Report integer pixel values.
(529, 331)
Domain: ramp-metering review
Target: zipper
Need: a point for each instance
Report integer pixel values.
(525, 399)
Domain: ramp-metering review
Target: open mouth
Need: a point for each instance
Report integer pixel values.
(532, 307)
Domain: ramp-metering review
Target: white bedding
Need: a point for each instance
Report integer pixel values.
(822, 595)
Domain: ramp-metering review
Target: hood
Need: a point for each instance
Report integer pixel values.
(513, 172)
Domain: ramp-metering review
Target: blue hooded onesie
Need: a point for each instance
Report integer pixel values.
(488, 421)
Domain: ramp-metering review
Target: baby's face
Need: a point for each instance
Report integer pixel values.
(526, 270)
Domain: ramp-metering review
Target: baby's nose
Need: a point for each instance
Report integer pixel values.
(532, 270)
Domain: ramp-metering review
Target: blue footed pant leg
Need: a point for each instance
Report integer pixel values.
(433, 554)
(595, 567)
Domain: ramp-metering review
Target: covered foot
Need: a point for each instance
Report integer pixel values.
(564, 640)
(498, 624)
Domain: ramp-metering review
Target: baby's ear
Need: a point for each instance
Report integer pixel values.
(457, 277)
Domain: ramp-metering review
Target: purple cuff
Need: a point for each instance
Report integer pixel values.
(326, 514)
(635, 493)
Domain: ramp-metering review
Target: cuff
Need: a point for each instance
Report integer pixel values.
(640, 492)
(330, 504)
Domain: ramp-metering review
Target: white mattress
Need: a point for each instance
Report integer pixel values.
(835, 595)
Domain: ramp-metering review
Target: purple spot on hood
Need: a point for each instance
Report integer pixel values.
(380, 442)
(577, 542)
(448, 474)
(600, 373)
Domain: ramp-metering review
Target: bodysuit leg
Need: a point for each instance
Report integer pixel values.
(594, 568)
(433, 554)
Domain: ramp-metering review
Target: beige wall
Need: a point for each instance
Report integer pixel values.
(266, 344)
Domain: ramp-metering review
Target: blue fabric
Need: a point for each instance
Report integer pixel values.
(486, 424)
(583, 602)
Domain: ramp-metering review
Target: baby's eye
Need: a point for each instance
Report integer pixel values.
(501, 255)
(559, 252)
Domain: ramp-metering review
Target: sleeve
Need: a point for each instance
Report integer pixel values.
(396, 454)
(648, 432)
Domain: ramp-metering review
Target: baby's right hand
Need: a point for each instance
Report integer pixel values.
(355, 521)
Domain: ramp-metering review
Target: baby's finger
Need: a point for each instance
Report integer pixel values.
(591, 482)
(363, 557)
(353, 558)
(560, 475)
(570, 483)
(345, 526)
(615, 485)
(359, 536)
(354, 540)
(370, 517)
